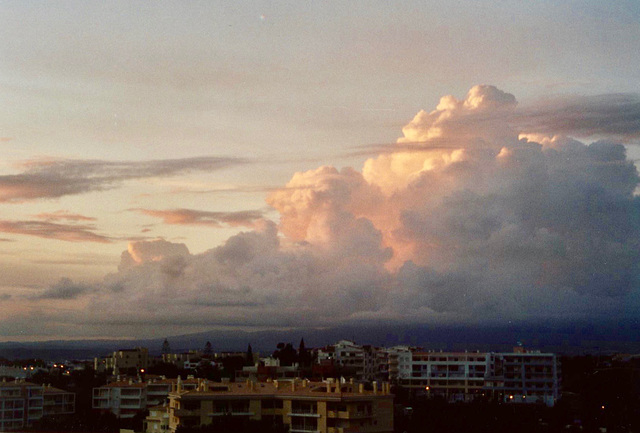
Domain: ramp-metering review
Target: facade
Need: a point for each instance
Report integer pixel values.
(158, 420)
(122, 360)
(268, 369)
(303, 406)
(127, 398)
(525, 377)
(22, 403)
(454, 376)
(511, 377)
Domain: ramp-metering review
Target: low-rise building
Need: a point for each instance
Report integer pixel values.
(303, 406)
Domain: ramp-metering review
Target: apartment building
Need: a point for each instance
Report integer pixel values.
(515, 377)
(22, 403)
(126, 398)
(525, 377)
(454, 376)
(158, 420)
(268, 369)
(123, 360)
(303, 406)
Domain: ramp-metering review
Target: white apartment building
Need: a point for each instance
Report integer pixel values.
(515, 377)
(454, 376)
(127, 398)
(525, 377)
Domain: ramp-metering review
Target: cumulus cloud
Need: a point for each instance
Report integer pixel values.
(499, 223)
(246, 218)
(56, 178)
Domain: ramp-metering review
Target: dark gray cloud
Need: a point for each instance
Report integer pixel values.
(616, 116)
(57, 178)
(65, 289)
(51, 230)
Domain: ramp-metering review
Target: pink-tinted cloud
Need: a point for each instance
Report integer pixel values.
(63, 215)
(50, 230)
(57, 178)
(204, 218)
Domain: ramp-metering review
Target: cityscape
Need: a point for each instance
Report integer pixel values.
(342, 387)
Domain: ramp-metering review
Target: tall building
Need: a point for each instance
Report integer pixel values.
(303, 406)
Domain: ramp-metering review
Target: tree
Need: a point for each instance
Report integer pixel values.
(249, 356)
(286, 354)
(166, 349)
(208, 350)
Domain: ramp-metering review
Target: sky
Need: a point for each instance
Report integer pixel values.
(174, 167)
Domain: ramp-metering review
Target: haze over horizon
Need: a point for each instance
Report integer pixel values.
(172, 168)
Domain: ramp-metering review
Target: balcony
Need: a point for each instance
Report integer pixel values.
(343, 414)
(307, 413)
(231, 414)
(133, 405)
(185, 412)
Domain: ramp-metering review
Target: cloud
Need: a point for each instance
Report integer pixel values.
(616, 116)
(500, 224)
(56, 178)
(51, 230)
(65, 289)
(213, 219)
(63, 215)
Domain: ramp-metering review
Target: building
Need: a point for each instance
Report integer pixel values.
(303, 406)
(525, 377)
(158, 419)
(268, 369)
(22, 403)
(123, 361)
(520, 376)
(126, 398)
(453, 376)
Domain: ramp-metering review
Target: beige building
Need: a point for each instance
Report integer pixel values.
(303, 406)
(120, 361)
(158, 419)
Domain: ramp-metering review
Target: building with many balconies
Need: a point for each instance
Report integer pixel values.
(22, 403)
(303, 406)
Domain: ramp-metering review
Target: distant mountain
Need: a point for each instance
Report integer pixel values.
(567, 338)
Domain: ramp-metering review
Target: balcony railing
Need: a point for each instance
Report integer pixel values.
(302, 412)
